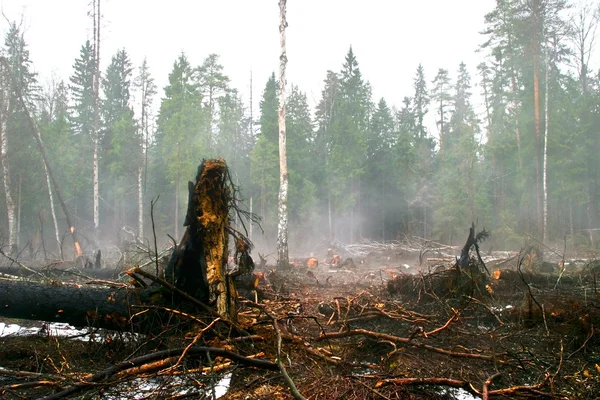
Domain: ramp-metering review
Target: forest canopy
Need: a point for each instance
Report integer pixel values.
(514, 147)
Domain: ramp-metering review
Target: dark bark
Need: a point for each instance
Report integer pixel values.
(464, 262)
(98, 307)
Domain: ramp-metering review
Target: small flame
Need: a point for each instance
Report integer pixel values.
(78, 249)
(72, 229)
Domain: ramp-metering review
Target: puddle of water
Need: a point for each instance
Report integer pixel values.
(144, 387)
(149, 387)
(458, 393)
(54, 329)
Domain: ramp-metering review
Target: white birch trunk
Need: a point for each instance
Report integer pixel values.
(19, 202)
(52, 208)
(140, 176)
(140, 202)
(96, 189)
(177, 205)
(545, 160)
(96, 138)
(10, 204)
(282, 226)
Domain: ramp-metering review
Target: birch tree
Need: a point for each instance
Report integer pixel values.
(282, 228)
(95, 136)
(10, 204)
(545, 158)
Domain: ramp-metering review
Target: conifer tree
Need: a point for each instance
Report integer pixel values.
(181, 133)
(441, 96)
(118, 140)
(16, 144)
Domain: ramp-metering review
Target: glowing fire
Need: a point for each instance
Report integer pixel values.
(78, 249)
(77, 246)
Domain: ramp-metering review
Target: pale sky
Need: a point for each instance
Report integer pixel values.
(389, 37)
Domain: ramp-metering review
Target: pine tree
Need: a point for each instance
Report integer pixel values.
(119, 139)
(82, 92)
(213, 84)
(420, 102)
(442, 97)
(17, 146)
(234, 140)
(181, 134)
(380, 186)
(457, 200)
(264, 158)
(302, 192)
(324, 117)
(349, 136)
(424, 146)
(117, 115)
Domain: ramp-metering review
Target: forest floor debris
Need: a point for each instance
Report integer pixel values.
(376, 330)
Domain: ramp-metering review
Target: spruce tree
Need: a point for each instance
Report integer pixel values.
(119, 139)
(181, 135)
(441, 96)
(265, 159)
(349, 136)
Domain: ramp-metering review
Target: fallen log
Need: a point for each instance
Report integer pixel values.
(98, 307)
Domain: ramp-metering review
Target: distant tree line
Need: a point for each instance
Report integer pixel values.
(358, 167)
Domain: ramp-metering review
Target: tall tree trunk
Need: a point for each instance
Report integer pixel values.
(140, 180)
(537, 44)
(250, 223)
(140, 190)
(513, 84)
(282, 226)
(383, 185)
(10, 204)
(52, 207)
(177, 222)
(571, 224)
(19, 204)
(96, 135)
(329, 215)
(425, 222)
(442, 126)
(538, 145)
(352, 225)
(545, 166)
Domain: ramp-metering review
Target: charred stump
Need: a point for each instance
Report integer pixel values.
(198, 265)
(197, 268)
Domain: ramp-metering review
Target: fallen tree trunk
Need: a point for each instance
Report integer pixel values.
(98, 307)
(197, 268)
